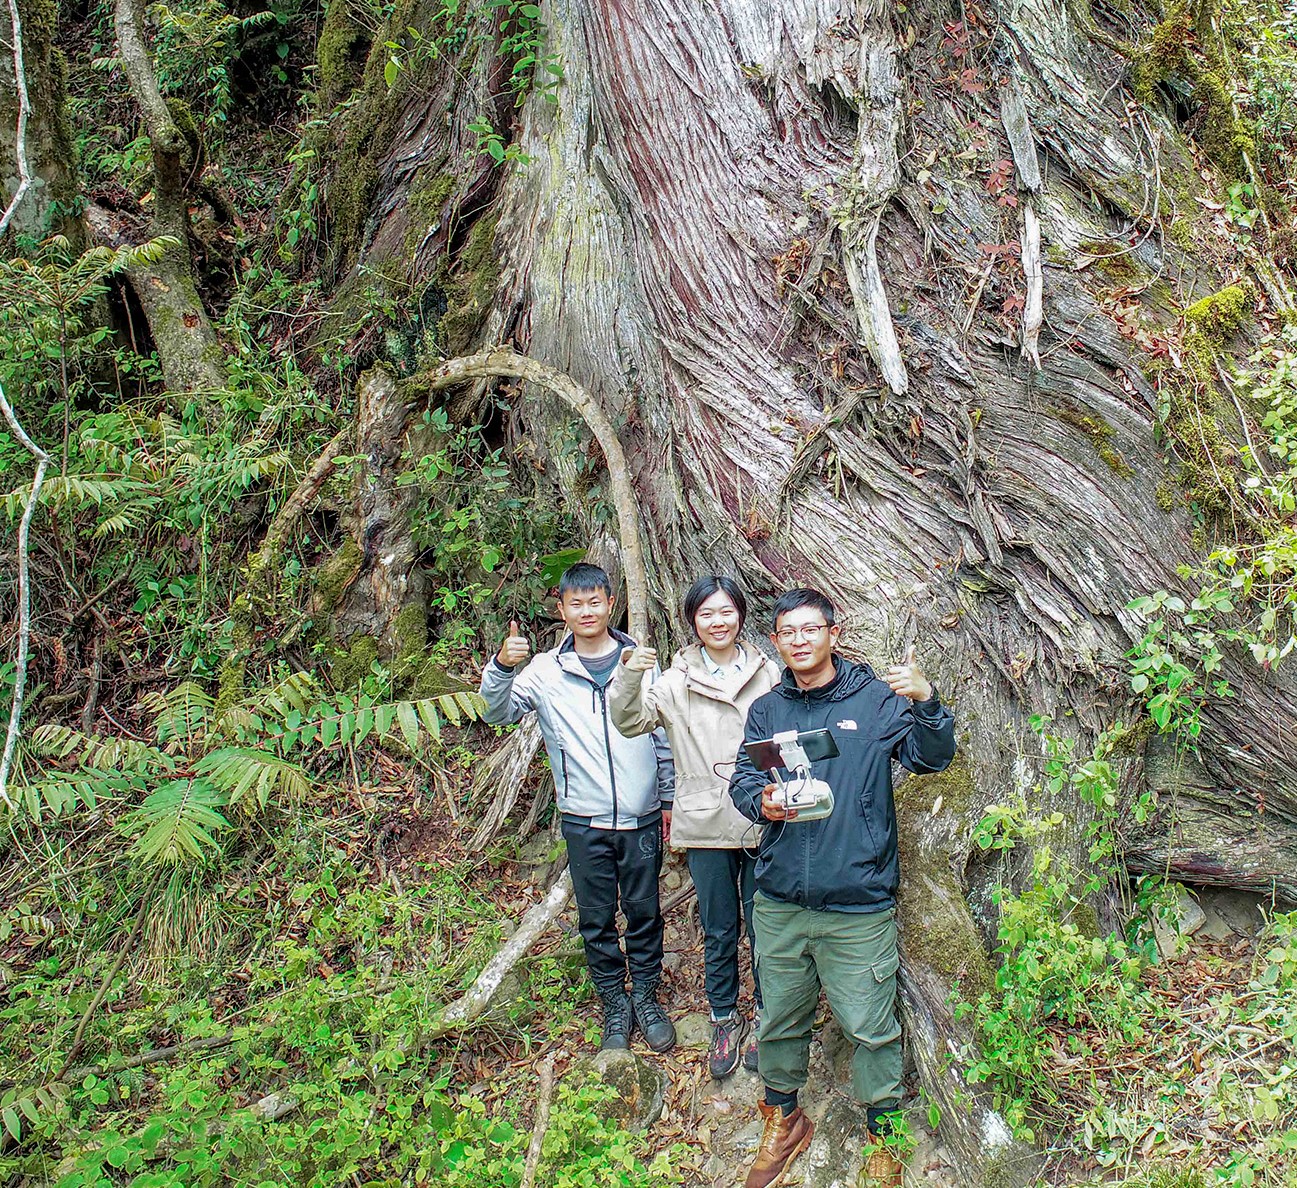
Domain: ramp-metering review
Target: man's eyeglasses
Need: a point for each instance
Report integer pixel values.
(809, 633)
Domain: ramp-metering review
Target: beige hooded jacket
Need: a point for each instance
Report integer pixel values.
(703, 717)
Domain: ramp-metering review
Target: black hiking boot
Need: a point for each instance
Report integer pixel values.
(658, 1031)
(727, 1045)
(618, 1019)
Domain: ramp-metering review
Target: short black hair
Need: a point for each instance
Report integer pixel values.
(790, 600)
(705, 587)
(581, 577)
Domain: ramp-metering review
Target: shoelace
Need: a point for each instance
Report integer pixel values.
(650, 1010)
(770, 1134)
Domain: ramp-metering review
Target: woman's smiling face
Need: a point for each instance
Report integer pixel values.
(717, 622)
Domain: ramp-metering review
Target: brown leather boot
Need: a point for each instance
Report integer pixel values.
(882, 1169)
(782, 1140)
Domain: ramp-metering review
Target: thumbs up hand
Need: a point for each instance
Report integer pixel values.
(639, 658)
(907, 680)
(515, 649)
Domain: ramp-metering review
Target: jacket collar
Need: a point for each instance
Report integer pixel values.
(847, 679)
(698, 676)
(568, 660)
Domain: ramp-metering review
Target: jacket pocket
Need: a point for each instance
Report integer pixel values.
(866, 803)
(562, 761)
(698, 794)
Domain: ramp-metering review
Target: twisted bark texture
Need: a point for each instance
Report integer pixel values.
(765, 235)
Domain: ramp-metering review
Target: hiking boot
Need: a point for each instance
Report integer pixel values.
(618, 1019)
(882, 1169)
(658, 1031)
(750, 1048)
(782, 1140)
(727, 1046)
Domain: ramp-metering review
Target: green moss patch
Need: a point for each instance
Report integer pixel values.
(1100, 434)
(1168, 53)
(340, 54)
(469, 286)
(1218, 317)
(936, 927)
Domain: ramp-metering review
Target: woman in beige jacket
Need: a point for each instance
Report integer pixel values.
(702, 702)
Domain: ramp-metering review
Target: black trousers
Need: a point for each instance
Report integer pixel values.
(608, 866)
(724, 879)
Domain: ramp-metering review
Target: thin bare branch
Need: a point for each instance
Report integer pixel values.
(24, 594)
(20, 139)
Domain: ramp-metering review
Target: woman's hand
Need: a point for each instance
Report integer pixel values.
(639, 659)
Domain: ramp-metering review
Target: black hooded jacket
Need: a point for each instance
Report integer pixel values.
(846, 861)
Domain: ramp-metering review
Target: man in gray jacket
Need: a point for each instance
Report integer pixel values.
(614, 794)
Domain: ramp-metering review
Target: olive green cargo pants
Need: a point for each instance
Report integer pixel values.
(853, 956)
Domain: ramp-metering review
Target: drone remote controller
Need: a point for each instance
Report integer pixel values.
(811, 798)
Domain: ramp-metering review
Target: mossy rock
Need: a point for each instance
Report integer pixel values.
(639, 1089)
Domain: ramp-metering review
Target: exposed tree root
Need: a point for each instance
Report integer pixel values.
(505, 771)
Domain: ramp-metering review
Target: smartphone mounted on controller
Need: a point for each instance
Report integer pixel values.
(793, 751)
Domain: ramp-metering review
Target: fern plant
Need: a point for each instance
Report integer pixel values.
(174, 795)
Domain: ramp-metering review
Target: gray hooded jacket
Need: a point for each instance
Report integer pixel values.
(601, 777)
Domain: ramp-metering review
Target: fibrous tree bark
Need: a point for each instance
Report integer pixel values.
(769, 237)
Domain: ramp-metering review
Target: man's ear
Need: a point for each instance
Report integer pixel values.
(834, 632)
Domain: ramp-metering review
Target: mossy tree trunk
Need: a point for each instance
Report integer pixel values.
(191, 356)
(50, 204)
(805, 257)
(385, 581)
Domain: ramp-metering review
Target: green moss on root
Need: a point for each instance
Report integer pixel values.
(340, 55)
(945, 940)
(1168, 53)
(469, 285)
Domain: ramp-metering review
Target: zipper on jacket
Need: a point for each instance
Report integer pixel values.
(607, 742)
(562, 754)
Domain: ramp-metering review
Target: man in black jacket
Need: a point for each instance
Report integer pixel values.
(826, 889)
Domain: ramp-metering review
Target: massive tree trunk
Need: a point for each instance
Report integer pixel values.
(772, 237)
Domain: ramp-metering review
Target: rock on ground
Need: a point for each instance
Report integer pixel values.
(640, 1087)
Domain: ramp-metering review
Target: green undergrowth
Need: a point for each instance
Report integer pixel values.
(1082, 1040)
(1242, 597)
(262, 964)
